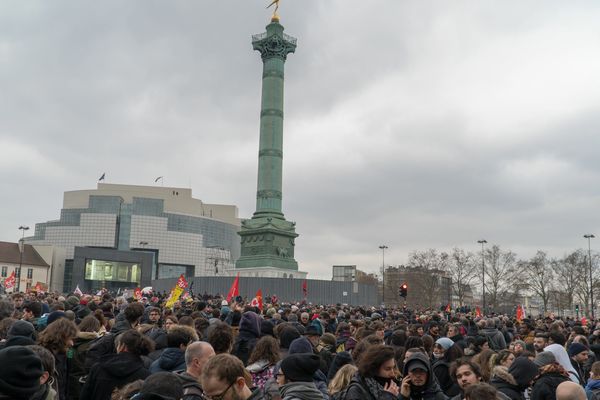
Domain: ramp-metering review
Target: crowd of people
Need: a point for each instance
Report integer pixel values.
(109, 347)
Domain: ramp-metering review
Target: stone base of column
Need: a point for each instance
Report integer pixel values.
(267, 242)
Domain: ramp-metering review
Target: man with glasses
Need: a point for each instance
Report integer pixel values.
(223, 379)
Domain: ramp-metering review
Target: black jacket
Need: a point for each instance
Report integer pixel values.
(431, 390)
(441, 369)
(545, 386)
(360, 390)
(513, 381)
(191, 387)
(113, 371)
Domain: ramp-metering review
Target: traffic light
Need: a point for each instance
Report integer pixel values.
(577, 307)
(403, 292)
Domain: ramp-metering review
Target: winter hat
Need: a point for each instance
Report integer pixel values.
(21, 328)
(266, 327)
(55, 315)
(301, 345)
(20, 371)
(520, 343)
(375, 316)
(73, 301)
(300, 367)
(445, 343)
(224, 303)
(287, 336)
(523, 371)
(311, 330)
(544, 358)
(576, 348)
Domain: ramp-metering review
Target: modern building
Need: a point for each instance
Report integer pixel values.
(268, 240)
(124, 235)
(35, 263)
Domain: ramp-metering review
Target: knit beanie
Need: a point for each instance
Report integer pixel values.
(287, 336)
(20, 371)
(523, 371)
(300, 367)
(544, 358)
(55, 315)
(301, 345)
(576, 348)
(445, 342)
(21, 328)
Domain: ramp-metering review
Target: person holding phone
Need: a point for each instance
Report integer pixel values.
(418, 382)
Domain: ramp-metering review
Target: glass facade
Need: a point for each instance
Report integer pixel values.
(179, 240)
(113, 271)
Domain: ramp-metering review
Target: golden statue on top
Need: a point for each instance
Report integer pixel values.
(275, 17)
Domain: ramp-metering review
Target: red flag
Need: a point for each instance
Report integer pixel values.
(305, 289)
(137, 293)
(448, 309)
(10, 282)
(234, 291)
(477, 312)
(181, 282)
(519, 313)
(583, 321)
(258, 300)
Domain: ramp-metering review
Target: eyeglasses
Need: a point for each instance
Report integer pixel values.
(219, 396)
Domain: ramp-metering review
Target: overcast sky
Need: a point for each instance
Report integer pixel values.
(413, 124)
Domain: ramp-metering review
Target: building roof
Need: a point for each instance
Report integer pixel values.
(9, 254)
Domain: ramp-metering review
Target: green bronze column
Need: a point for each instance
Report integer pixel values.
(267, 238)
(274, 46)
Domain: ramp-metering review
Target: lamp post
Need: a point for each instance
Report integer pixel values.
(483, 242)
(589, 237)
(22, 228)
(383, 247)
(143, 244)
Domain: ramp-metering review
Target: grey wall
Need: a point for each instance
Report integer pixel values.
(287, 290)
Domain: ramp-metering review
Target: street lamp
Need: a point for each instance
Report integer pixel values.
(143, 244)
(483, 242)
(22, 228)
(590, 236)
(383, 247)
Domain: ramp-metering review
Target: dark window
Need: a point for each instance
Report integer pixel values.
(4, 271)
(29, 273)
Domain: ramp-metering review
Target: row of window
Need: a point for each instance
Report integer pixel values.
(5, 272)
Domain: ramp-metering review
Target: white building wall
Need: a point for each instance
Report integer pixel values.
(96, 230)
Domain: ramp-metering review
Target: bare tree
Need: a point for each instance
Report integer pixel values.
(538, 276)
(500, 267)
(427, 268)
(462, 268)
(565, 272)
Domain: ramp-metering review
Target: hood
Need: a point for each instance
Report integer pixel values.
(501, 373)
(562, 358)
(85, 336)
(171, 358)
(250, 323)
(122, 364)
(258, 366)
(431, 385)
(121, 326)
(301, 390)
(524, 371)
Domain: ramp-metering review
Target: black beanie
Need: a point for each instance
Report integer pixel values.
(20, 371)
(300, 367)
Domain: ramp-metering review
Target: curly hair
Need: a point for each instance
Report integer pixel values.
(57, 335)
(373, 358)
(267, 348)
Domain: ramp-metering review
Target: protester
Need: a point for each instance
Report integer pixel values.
(117, 370)
(197, 355)
(223, 378)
